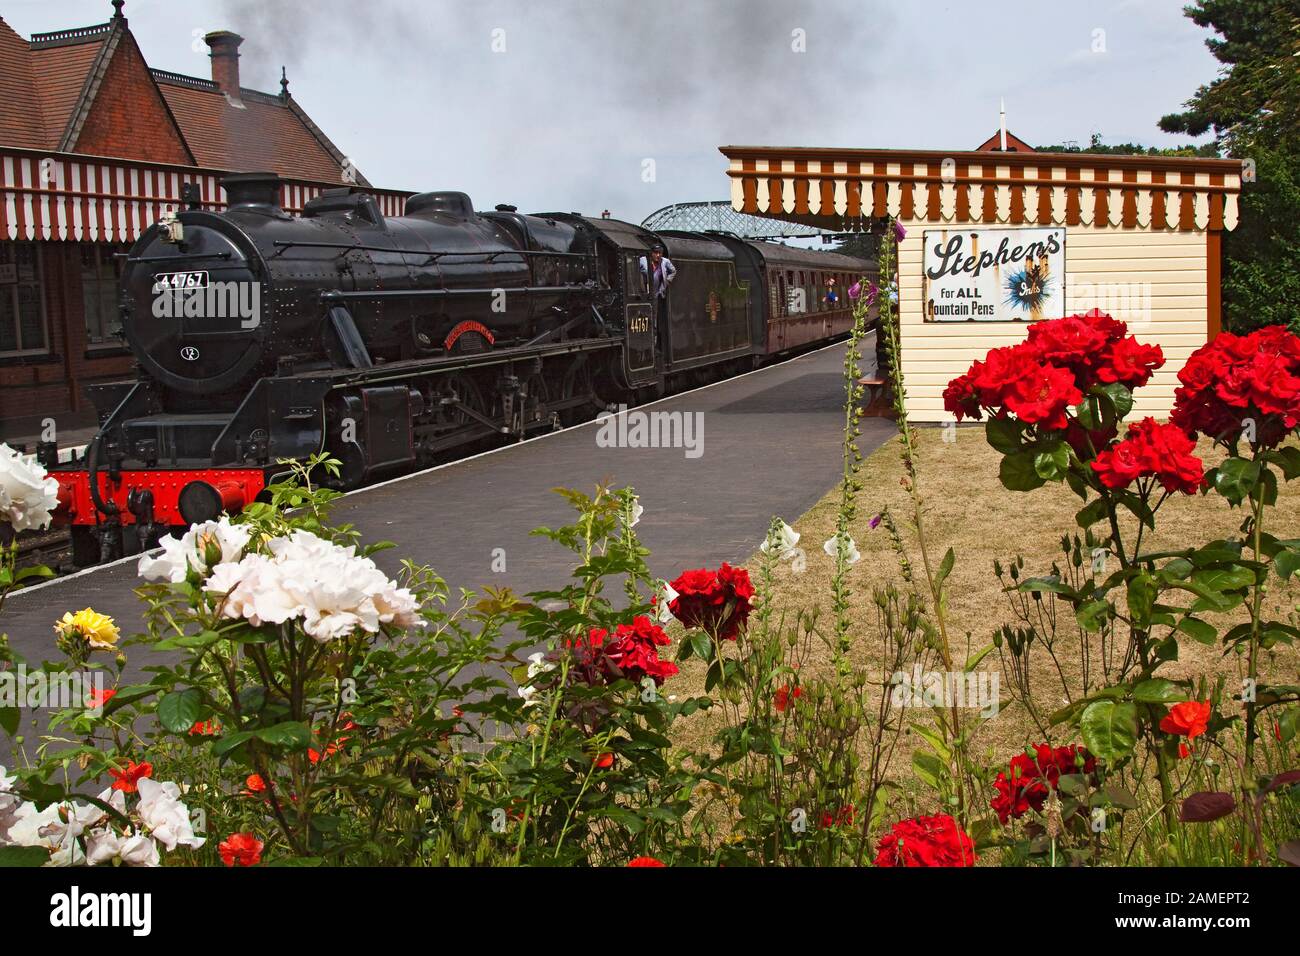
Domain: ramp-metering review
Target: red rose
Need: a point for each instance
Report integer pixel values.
(241, 849)
(254, 785)
(926, 841)
(1189, 719)
(1070, 342)
(962, 399)
(781, 699)
(631, 652)
(843, 817)
(1130, 362)
(1042, 395)
(645, 861)
(714, 601)
(1242, 385)
(1151, 449)
(1028, 780)
(126, 780)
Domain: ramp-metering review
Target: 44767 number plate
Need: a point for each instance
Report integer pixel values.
(180, 280)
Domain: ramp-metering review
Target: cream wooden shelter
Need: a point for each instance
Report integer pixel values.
(1140, 235)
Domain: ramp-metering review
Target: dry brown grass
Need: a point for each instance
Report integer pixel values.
(967, 509)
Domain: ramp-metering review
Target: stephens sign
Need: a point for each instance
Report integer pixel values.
(994, 275)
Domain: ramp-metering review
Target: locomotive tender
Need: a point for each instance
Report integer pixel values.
(392, 342)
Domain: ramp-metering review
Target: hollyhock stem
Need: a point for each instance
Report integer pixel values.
(888, 325)
(1252, 670)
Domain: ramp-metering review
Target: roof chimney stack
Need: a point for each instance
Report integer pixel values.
(225, 61)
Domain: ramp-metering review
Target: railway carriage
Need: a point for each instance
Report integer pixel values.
(395, 342)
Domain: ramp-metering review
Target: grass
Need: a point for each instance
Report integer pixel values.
(968, 510)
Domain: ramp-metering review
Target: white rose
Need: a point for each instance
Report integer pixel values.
(188, 553)
(136, 849)
(164, 816)
(328, 587)
(28, 496)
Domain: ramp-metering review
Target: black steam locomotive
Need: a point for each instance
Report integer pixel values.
(395, 342)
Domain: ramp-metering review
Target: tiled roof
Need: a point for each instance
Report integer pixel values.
(265, 132)
(21, 123)
(59, 76)
(47, 84)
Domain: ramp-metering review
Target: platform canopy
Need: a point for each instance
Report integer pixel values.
(839, 188)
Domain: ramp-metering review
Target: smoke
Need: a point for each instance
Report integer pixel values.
(560, 104)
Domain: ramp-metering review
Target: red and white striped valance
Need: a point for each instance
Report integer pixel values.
(825, 187)
(62, 197)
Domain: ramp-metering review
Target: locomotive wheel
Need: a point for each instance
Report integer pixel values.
(469, 394)
(535, 399)
(578, 383)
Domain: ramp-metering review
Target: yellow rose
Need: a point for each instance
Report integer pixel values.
(98, 630)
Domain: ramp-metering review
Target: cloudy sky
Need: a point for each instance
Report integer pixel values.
(558, 104)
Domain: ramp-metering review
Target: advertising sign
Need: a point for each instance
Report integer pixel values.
(994, 275)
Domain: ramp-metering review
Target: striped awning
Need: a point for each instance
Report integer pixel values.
(55, 196)
(832, 188)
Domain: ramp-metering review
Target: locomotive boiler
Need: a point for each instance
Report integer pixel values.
(394, 342)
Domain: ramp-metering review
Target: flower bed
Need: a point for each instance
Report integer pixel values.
(322, 710)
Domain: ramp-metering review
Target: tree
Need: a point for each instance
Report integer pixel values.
(1253, 108)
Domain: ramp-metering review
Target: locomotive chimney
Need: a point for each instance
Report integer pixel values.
(252, 189)
(225, 61)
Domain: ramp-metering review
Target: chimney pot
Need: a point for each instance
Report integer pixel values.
(225, 61)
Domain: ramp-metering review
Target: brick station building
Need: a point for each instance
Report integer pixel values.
(94, 147)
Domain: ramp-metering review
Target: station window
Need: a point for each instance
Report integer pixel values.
(100, 271)
(22, 304)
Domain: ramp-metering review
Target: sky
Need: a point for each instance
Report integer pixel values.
(585, 105)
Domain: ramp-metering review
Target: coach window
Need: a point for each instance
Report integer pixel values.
(100, 271)
(22, 305)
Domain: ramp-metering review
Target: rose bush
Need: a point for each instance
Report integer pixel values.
(1055, 405)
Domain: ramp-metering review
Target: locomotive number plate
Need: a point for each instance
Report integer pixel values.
(180, 280)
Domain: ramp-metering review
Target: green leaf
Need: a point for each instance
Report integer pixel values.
(9, 719)
(1120, 397)
(1236, 478)
(1142, 593)
(1157, 690)
(1200, 631)
(1109, 729)
(1003, 434)
(1092, 616)
(1018, 472)
(1288, 459)
(291, 734)
(1287, 563)
(229, 742)
(945, 569)
(1053, 461)
(23, 856)
(1090, 514)
(179, 710)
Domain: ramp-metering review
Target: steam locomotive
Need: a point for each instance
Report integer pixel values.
(393, 343)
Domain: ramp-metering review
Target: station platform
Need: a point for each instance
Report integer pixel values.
(771, 446)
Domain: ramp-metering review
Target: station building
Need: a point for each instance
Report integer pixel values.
(999, 237)
(94, 147)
